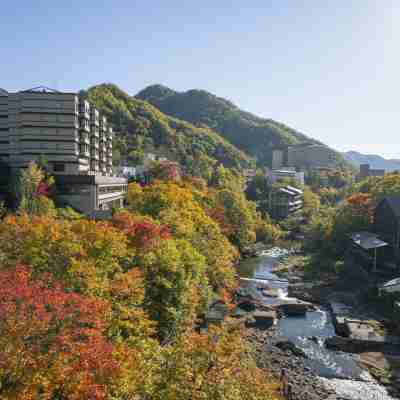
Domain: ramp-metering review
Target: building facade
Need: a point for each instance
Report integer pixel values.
(66, 131)
(277, 159)
(366, 171)
(285, 201)
(310, 156)
(274, 176)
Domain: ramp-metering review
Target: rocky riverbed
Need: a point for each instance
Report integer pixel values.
(296, 344)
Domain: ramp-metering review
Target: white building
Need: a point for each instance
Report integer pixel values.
(276, 174)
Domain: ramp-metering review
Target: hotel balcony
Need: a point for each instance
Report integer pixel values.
(109, 162)
(84, 110)
(103, 124)
(95, 131)
(84, 152)
(103, 157)
(94, 154)
(84, 125)
(94, 143)
(94, 166)
(84, 138)
(94, 117)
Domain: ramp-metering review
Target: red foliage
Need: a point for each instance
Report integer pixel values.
(142, 232)
(54, 341)
(43, 189)
(217, 213)
(165, 170)
(359, 199)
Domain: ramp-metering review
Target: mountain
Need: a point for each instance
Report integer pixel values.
(143, 128)
(375, 161)
(254, 135)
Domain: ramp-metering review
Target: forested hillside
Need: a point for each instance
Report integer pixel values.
(374, 160)
(256, 136)
(143, 128)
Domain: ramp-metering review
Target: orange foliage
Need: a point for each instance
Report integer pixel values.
(53, 342)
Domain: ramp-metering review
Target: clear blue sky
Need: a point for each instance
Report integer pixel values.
(328, 68)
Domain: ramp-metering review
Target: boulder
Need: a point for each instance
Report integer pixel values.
(270, 292)
(264, 319)
(247, 305)
(294, 308)
(287, 345)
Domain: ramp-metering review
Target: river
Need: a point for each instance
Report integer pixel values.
(337, 370)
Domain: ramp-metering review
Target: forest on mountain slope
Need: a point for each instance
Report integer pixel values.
(254, 135)
(143, 128)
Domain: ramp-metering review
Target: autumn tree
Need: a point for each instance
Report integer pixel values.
(32, 191)
(212, 365)
(53, 342)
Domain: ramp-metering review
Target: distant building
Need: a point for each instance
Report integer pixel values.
(366, 171)
(126, 171)
(310, 156)
(71, 135)
(277, 159)
(285, 201)
(274, 176)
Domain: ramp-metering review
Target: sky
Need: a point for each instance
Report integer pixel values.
(326, 68)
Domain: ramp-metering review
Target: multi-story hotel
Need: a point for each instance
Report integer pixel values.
(310, 156)
(71, 135)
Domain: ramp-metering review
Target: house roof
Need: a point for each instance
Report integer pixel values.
(367, 240)
(391, 286)
(293, 189)
(394, 204)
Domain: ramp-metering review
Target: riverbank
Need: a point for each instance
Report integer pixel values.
(275, 354)
(297, 346)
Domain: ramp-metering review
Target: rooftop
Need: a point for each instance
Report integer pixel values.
(367, 240)
(290, 190)
(391, 286)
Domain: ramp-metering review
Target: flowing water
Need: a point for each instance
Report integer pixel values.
(337, 370)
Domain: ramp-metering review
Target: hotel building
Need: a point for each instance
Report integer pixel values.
(71, 135)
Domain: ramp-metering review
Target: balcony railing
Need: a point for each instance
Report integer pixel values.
(84, 153)
(84, 138)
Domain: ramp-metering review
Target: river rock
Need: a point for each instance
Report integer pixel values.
(264, 319)
(247, 305)
(294, 308)
(287, 345)
(270, 292)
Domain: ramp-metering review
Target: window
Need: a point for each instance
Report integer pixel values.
(59, 167)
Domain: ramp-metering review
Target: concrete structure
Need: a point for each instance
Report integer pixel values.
(274, 176)
(91, 192)
(69, 133)
(366, 171)
(285, 201)
(310, 156)
(277, 159)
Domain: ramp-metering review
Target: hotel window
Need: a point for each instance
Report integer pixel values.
(59, 167)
